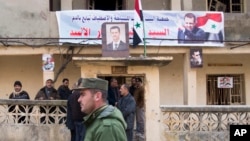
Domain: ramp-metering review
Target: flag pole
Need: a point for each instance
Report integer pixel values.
(144, 39)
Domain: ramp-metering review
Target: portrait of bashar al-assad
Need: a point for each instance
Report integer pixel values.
(115, 39)
(117, 43)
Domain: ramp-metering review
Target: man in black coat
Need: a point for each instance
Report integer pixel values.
(127, 106)
(64, 90)
(74, 120)
(113, 92)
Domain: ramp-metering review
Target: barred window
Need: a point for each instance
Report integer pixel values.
(106, 5)
(54, 5)
(229, 6)
(234, 95)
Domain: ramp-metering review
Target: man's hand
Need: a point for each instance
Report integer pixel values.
(179, 24)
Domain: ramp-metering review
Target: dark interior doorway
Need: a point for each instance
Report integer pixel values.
(122, 79)
(108, 4)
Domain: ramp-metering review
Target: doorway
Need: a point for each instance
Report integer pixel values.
(122, 79)
(126, 79)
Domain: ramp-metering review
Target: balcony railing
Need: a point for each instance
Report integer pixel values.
(208, 123)
(32, 112)
(42, 120)
(45, 120)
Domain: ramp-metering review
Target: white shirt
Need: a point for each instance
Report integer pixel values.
(115, 45)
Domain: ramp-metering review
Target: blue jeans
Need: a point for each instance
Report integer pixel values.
(80, 131)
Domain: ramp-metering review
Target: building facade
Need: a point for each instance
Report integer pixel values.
(29, 30)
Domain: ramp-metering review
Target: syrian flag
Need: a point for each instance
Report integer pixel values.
(138, 24)
(211, 22)
(213, 25)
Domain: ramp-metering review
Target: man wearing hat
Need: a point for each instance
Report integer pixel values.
(103, 122)
(18, 93)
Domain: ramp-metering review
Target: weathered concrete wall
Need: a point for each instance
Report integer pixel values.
(237, 26)
(21, 132)
(22, 20)
(79, 4)
(28, 18)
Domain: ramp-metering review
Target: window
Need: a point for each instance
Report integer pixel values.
(54, 5)
(234, 95)
(229, 6)
(106, 5)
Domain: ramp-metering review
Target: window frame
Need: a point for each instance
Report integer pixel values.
(213, 93)
(212, 4)
(91, 5)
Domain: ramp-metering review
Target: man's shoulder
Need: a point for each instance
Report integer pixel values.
(110, 44)
(60, 87)
(122, 43)
(123, 46)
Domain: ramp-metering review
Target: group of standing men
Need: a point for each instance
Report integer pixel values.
(48, 92)
(130, 101)
(96, 110)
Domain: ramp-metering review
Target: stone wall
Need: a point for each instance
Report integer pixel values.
(201, 123)
(33, 120)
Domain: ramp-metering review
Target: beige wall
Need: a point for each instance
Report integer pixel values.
(171, 77)
(171, 82)
(28, 69)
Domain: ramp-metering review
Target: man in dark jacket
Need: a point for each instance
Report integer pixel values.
(189, 33)
(127, 106)
(47, 92)
(64, 90)
(113, 92)
(132, 86)
(18, 93)
(139, 96)
(74, 119)
(103, 122)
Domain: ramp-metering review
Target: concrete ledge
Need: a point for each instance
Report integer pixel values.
(129, 61)
(32, 102)
(212, 108)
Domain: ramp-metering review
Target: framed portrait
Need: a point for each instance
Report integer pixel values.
(225, 82)
(196, 59)
(48, 62)
(115, 39)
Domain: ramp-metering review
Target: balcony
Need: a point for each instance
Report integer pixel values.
(33, 120)
(202, 123)
(45, 120)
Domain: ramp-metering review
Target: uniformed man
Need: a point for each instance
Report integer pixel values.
(103, 122)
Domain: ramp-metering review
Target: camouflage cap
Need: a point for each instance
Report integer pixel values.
(92, 83)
